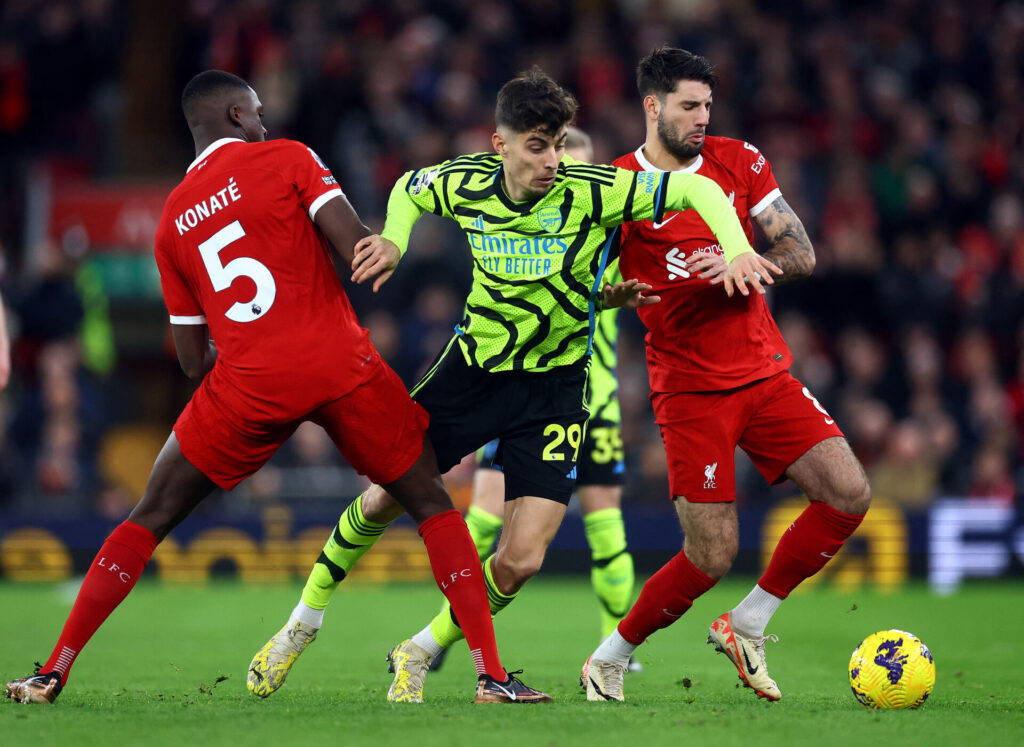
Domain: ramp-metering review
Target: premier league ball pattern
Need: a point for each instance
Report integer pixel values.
(892, 669)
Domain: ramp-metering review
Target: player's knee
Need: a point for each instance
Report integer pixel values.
(420, 500)
(159, 520)
(711, 536)
(855, 496)
(526, 568)
(379, 507)
(516, 571)
(429, 505)
(712, 560)
(716, 565)
(849, 493)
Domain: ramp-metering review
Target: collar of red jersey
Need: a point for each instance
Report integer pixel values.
(648, 166)
(211, 148)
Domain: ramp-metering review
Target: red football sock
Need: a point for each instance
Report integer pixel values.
(113, 573)
(805, 548)
(664, 598)
(459, 575)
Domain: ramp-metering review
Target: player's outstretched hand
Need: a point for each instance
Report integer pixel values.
(749, 267)
(707, 265)
(375, 257)
(627, 293)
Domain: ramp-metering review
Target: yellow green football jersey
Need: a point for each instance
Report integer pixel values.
(537, 265)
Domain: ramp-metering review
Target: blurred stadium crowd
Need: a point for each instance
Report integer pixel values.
(895, 129)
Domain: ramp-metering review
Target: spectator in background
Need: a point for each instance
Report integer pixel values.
(811, 363)
(10, 468)
(991, 474)
(59, 416)
(907, 474)
(1015, 393)
(866, 369)
(5, 348)
(868, 422)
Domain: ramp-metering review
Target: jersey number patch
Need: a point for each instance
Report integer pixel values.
(817, 405)
(241, 267)
(573, 434)
(607, 445)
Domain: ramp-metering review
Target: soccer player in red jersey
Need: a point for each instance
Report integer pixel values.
(244, 259)
(719, 378)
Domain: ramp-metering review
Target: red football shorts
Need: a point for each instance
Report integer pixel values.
(776, 421)
(377, 428)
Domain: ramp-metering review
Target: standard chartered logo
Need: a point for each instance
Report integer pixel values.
(676, 264)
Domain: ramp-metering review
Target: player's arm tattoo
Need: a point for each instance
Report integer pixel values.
(791, 249)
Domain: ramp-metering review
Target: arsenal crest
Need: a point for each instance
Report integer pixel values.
(550, 219)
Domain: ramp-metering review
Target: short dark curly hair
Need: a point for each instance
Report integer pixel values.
(206, 84)
(659, 72)
(533, 100)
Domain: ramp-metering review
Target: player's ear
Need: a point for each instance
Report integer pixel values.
(498, 143)
(652, 106)
(235, 115)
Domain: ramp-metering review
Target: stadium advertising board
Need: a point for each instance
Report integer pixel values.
(956, 540)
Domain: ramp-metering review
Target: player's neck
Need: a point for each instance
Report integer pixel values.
(204, 136)
(514, 194)
(203, 144)
(661, 158)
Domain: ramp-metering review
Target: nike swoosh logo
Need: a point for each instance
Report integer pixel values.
(597, 688)
(750, 669)
(659, 225)
(826, 555)
(670, 614)
(509, 693)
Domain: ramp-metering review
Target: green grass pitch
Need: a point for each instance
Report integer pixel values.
(154, 675)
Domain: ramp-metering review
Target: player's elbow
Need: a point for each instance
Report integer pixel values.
(193, 370)
(195, 349)
(194, 366)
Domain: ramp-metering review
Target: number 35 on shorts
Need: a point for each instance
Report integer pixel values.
(607, 442)
(560, 439)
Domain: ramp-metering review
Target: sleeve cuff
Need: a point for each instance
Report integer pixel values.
(322, 200)
(767, 200)
(201, 319)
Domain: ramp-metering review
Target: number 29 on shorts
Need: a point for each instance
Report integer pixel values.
(559, 434)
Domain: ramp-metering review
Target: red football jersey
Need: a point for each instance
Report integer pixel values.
(238, 250)
(698, 338)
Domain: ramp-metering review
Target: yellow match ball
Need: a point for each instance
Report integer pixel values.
(892, 669)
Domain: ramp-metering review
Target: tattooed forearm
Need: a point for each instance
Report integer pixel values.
(791, 250)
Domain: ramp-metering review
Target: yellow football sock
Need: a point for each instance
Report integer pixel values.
(612, 571)
(349, 541)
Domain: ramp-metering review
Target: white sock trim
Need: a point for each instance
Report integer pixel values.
(426, 641)
(614, 649)
(305, 614)
(751, 616)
